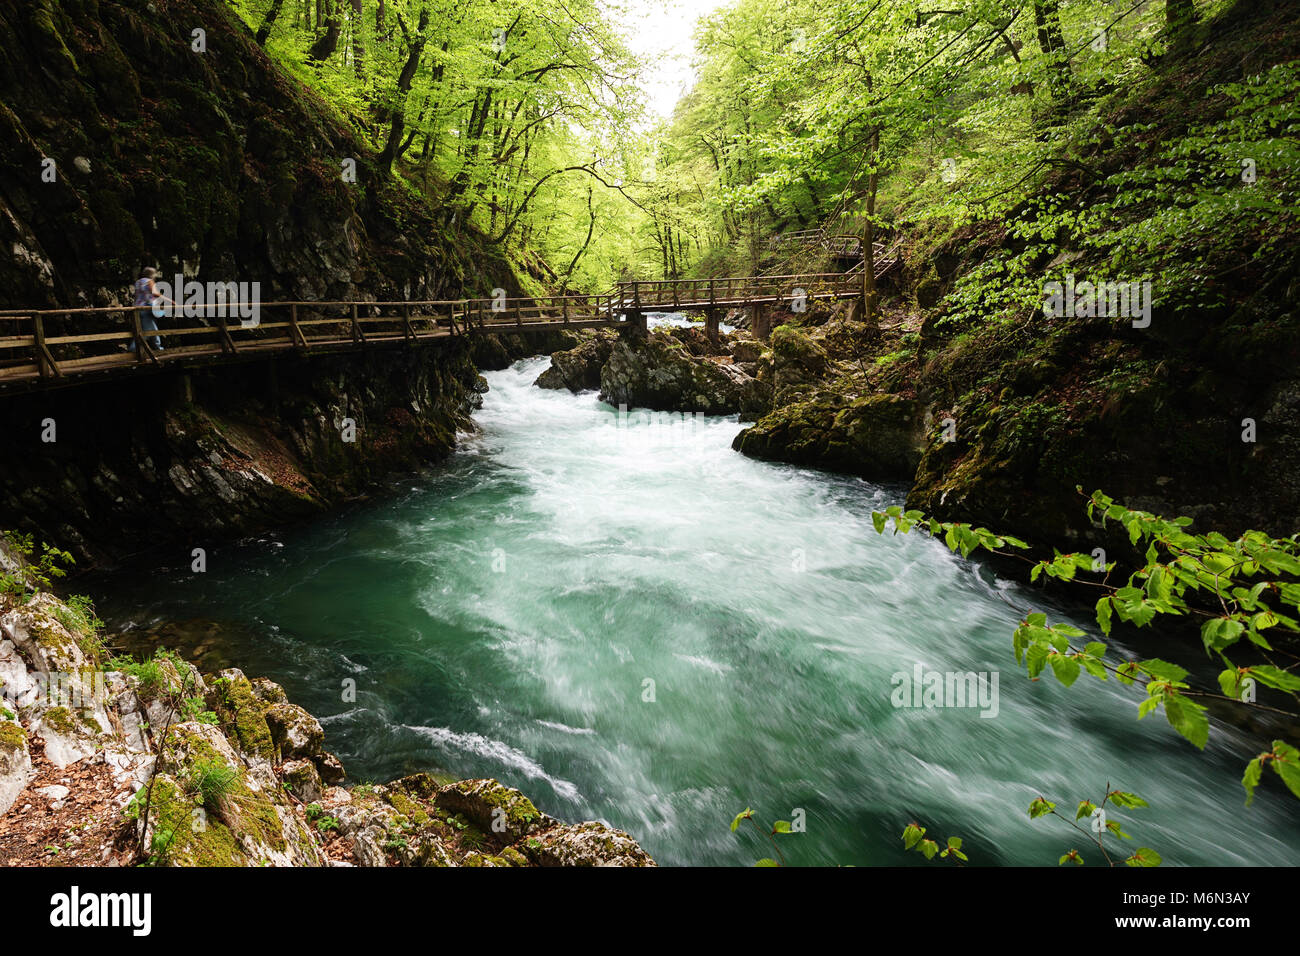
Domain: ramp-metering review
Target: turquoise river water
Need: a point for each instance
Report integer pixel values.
(629, 621)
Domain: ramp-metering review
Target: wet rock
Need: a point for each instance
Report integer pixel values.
(878, 437)
(578, 369)
(659, 373)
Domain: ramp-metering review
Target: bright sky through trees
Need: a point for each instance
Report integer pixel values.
(661, 33)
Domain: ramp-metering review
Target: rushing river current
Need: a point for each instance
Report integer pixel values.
(631, 622)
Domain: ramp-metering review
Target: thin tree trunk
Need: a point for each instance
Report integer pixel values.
(398, 126)
(268, 22)
(1047, 18)
(328, 41)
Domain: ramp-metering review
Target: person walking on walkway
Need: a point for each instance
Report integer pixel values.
(145, 296)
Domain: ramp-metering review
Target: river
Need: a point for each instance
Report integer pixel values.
(629, 621)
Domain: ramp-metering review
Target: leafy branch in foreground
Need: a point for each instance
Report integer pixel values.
(1100, 825)
(1245, 588)
(780, 826)
(914, 838)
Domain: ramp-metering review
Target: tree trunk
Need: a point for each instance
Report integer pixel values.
(398, 126)
(869, 294)
(1180, 17)
(1047, 18)
(268, 22)
(358, 40)
(328, 41)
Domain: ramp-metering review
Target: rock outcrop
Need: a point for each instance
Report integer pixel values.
(659, 372)
(227, 452)
(578, 369)
(879, 437)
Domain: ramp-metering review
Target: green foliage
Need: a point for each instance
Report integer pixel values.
(779, 827)
(520, 117)
(154, 681)
(914, 838)
(212, 782)
(1100, 827)
(1239, 589)
(40, 566)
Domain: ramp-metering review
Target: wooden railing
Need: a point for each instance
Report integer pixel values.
(657, 295)
(53, 344)
(47, 346)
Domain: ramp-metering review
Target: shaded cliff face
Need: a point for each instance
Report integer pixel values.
(189, 460)
(212, 163)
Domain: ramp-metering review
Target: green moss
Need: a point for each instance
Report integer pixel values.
(61, 719)
(244, 716)
(408, 808)
(12, 737)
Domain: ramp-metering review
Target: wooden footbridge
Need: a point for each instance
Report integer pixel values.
(53, 347)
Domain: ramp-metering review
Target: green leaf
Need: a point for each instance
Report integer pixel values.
(767, 862)
(1250, 779)
(912, 835)
(1163, 670)
(1145, 856)
(743, 815)
(1129, 801)
(1065, 668)
(878, 519)
(1188, 719)
(781, 826)
(1275, 677)
(1287, 764)
(1040, 807)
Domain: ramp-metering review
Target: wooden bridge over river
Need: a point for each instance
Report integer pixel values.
(55, 347)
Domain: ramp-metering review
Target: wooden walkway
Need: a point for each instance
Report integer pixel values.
(54, 347)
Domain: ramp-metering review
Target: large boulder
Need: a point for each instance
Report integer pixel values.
(659, 373)
(578, 369)
(876, 437)
(798, 364)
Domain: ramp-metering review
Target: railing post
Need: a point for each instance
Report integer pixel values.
(45, 363)
(358, 338)
(227, 345)
(295, 333)
(142, 353)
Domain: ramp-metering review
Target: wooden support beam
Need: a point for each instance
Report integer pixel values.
(44, 359)
(358, 336)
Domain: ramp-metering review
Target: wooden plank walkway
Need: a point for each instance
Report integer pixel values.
(52, 347)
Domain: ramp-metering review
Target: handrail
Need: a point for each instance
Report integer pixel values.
(58, 339)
